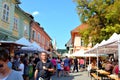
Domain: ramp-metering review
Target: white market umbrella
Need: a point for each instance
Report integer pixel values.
(23, 41)
(66, 54)
(79, 53)
(37, 47)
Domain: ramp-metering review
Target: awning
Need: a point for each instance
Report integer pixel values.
(23, 41)
(7, 43)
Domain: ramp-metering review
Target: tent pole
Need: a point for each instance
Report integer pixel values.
(85, 62)
(97, 59)
(119, 57)
(89, 65)
(89, 59)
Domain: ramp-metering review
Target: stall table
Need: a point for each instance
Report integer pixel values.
(103, 74)
(113, 77)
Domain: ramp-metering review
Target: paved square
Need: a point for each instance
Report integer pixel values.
(74, 76)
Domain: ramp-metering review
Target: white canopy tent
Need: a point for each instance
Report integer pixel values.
(66, 54)
(23, 41)
(111, 46)
(80, 53)
(37, 47)
(29, 48)
(28, 45)
(106, 47)
(92, 49)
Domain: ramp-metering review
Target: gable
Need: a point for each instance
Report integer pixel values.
(16, 1)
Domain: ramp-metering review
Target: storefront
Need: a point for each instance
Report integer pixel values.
(11, 46)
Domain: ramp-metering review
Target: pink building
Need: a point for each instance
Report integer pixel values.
(76, 39)
(39, 35)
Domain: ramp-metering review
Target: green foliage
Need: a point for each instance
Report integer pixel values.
(102, 17)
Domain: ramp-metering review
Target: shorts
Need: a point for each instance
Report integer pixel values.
(66, 68)
(81, 65)
(55, 66)
(58, 69)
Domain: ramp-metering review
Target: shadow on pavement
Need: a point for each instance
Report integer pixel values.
(70, 77)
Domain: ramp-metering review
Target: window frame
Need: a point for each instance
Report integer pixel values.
(5, 12)
(16, 23)
(39, 37)
(33, 35)
(82, 42)
(25, 29)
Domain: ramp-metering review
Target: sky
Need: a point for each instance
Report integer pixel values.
(57, 17)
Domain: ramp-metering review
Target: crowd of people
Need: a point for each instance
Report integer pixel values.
(17, 67)
(42, 66)
(66, 65)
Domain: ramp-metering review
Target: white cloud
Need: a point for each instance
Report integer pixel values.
(35, 13)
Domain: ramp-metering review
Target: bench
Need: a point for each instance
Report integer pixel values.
(95, 76)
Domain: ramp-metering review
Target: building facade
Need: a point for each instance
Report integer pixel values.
(39, 35)
(76, 43)
(14, 22)
(7, 8)
(21, 25)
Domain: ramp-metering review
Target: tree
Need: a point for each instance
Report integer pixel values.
(102, 16)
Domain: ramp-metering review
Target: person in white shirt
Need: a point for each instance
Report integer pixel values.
(21, 66)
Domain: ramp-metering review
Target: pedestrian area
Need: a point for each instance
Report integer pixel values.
(74, 76)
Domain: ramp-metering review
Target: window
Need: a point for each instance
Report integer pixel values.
(38, 37)
(82, 42)
(47, 43)
(33, 35)
(5, 16)
(43, 40)
(15, 24)
(25, 29)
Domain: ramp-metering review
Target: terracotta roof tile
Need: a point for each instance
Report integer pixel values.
(77, 29)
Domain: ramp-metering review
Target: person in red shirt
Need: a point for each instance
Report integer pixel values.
(81, 61)
(116, 68)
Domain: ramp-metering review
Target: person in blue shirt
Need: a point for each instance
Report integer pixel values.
(66, 66)
(10, 63)
(59, 68)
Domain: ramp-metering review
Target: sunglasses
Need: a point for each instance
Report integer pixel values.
(1, 65)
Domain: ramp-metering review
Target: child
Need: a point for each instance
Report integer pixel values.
(58, 68)
(62, 68)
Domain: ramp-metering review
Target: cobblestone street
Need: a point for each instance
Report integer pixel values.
(74, 76)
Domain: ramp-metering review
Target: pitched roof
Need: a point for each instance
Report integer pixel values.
(77, 29)
(17, 1)
(68, 43)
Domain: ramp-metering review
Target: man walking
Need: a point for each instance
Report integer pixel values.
(75, 64)
(44, 68)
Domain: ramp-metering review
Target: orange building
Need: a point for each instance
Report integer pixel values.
(39, 35)
(76, 39)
